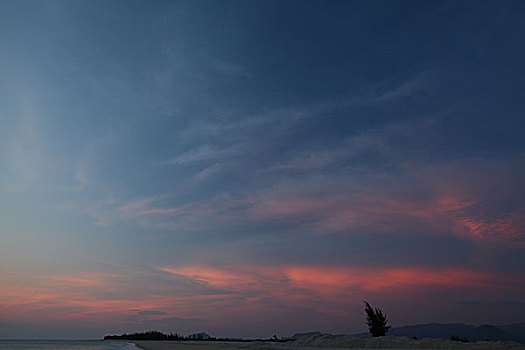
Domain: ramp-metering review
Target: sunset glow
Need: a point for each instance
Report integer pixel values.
(251, 168)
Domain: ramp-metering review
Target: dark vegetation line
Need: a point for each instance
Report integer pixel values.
(157, 335)
(375, 319)
(378, 326)
(149, 335)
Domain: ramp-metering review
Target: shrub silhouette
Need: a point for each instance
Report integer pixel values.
(456, 338)
(376, 321)
(149, 335)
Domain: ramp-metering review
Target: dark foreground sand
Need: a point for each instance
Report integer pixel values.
(202, 345)
(328, 342)
(185, 345)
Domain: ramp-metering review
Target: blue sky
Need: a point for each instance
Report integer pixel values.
(249, 168)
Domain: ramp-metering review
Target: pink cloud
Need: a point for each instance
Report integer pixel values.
(444, 213)
(377, 279)
(145, 207)
(290, 282)
(508, 227)
(221, 295)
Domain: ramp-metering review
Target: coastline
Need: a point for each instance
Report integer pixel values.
(326, 342)
(187, 345)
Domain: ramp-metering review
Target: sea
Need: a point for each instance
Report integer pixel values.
(65, 345)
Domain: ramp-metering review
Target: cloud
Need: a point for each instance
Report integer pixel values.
(422, 198)
(242, 153)
(151, 313)
(229, 68)
(422, 82)
(203, 153)
(145, 207)
(247, 129)
(208, 172)
(101, 158)
(168, 322)
(28, 160)
(323, 279)
(318, 158)
(468, 302)
(220, 295)
(510, 303)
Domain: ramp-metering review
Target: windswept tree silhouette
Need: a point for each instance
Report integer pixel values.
(376, 321)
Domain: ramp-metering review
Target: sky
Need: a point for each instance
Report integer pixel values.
(250, 168)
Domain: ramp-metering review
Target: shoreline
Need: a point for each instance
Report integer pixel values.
(189, 345)
(331, 343)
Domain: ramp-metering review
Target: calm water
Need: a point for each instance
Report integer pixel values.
(64, 345)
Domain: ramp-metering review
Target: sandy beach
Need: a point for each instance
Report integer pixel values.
(206, 345)
(326, 342)
(187, 345)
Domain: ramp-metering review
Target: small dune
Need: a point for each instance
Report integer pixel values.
(393, 342)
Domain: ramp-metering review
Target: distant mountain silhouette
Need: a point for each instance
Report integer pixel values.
(299, 335)
(515, 332)
(517, 329)
(489, 332)
(431, 330)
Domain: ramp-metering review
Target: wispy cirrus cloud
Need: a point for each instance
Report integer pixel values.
(236, 146)
(214, 170)
(433, 203)
(204, 153)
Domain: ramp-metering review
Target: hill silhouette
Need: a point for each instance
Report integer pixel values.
(513, 332)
